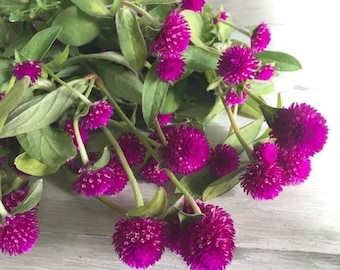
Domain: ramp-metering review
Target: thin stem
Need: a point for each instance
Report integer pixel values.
(160, 132)
(235, 27)
(235, 110)
(126, 166)
(81, 147)
(112, 205)
(253, 96)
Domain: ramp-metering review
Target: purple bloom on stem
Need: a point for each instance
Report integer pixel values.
(223, 160)
(221, 16)
(260, 38)
(151, 172)
(30, 68)
(174, 36)
(139, 242)
(194, 5)
(165, 118)
(98, 116)
(233, 98)
(187, 150)
(19, 233)
(133, 148)
(266, 152)
(69, 128)
(12, 200)
(119, 179)
(237, 64)
(300, 128)
(265, 73)
(170, 69)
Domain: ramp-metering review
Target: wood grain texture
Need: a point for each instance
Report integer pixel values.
(299, 230)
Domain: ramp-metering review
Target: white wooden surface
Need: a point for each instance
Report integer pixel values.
(298, 230)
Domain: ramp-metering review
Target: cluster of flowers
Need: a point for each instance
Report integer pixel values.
(296, 134)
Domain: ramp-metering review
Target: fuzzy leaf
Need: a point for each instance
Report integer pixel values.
(282, 61)
(92, 7)
(33, 167)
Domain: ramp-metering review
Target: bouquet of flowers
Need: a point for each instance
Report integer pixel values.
(115, 92)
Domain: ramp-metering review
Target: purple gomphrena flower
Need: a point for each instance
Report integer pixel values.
(194, 5)
(187, 150)
(119, 178)
(12, 200)
(296, 167)
(266, 152)
(2, 95)
(19, 233)
(176, 236)
(174, 36)
(139, 242)
(30, 68)
(221, 16)
(265, 73)
(69, 128)
(152, 172)
(300, 128)
(237, 64)
(132, 147)
(165, 118)
(260, 38)
(98, 116)
(223, 160)
(170, 69)
(262, 181)
(233, 98)
(210, 242)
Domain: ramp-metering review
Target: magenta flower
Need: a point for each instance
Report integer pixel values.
(139, 242)
(12, 200)
(119, 178)
(98, 116)
(300, 128)
(260, 38)
(221, 16)
(194, 5)
(262, 181)
(266, 152)
(265, 73)
(152, 172)
(210, 242)
(237, 64)
(69, 128)
(170, 69)
(132, 147)
(223, 160)
(29, 68)
(233, 98)
(174, 36)
(19, 233)
(187, 150)
(165, 118)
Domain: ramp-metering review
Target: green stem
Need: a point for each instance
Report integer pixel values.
(80, 143)
(112, 205)
(126, 166)
(160, 132)
(3, 211)
(253, 96)
(235, 27)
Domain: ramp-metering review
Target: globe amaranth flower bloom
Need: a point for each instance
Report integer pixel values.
(237, 64)
(232, 98)
(98, 116)
(194, 5)
(69, 128)
(210, 242)
(19, 233)
(132, 147)
(151, 172)
(223, 160)
(139, 242)
(265, 73)
(12, 200)
(266, 152)
(174, 36)
(300, 128)
(30, 68)
(187, 150)
(220, 16)
(262, 181)
(260, 38)
(165, 118)
(170, 68)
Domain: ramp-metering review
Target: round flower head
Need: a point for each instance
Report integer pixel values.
(233, 98)
(151, 172)
(223, 160)
(19, 233)
(132, 147)
(174, 36)
(165, 118)
(12, 200)
(237, 64)
(265, 73)
(139, 242)
(300, 128)
(187, 150)
(210, 242)
(194, 5)
(262, 181)
(30, 68)
(170, 69)
(98, 116)
(69, 128)
(266, 152)
(118, 179)
(260, 38)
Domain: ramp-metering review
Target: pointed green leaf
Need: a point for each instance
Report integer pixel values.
(269, 113)
(282, 61)
(59, 59)
(261, 88)
(185, 218)
(92, 7)
(33, 167)
(104, 159)
(157, 2)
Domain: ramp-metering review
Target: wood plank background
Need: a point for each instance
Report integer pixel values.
(298, 230)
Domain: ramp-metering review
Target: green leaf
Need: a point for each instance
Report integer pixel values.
(269, 113)
(199, 59)
(222, 185)
(32, 199)
(131, 38)
(249, 132)
(156, 2)
(78, 28)
(250, 109)
(195, 24)
(48, 145)
(104, 159)
(92, 7)
(59, 59)
(153, 95)
(261, 88)
(40, 43)
(282, 61)
(33, 167)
